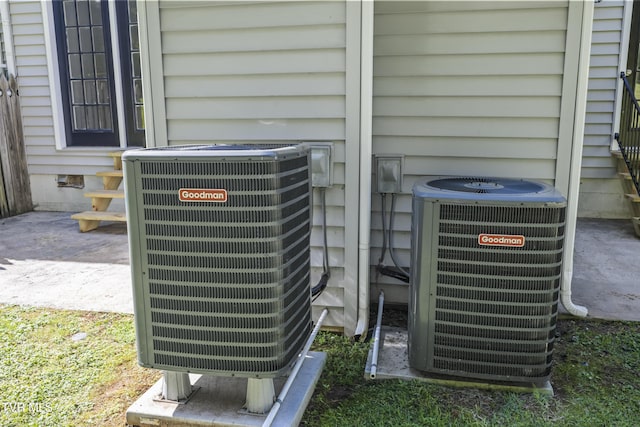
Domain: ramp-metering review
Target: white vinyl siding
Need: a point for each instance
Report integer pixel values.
(601, 193)
(466, 92)
(240, 72)
(36, 103)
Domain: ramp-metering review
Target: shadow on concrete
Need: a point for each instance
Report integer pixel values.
(46, 261)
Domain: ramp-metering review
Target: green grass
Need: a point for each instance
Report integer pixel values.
(596, 378)
(50, 379)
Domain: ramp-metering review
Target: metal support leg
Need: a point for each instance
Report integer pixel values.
(175, 385)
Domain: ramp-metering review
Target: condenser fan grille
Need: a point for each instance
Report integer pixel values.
(225, 285)
(487, 185)
(506, 306)
(492, 307)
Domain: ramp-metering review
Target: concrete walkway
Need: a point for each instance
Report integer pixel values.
(45, 261)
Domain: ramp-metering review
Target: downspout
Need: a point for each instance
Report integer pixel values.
(576, 161)
(8, 37)
(366, 111)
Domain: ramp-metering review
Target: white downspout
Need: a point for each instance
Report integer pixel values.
(8, 37)
(366, 111)
(576, 161)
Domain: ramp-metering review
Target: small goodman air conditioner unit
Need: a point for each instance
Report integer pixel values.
(485, 277)
(219, 241)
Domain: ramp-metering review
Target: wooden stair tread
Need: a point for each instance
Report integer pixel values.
(100, 216)
(115, 153)
(105, 194)
(114, 173)
(633, 197)
(617, 154)
(625, 175)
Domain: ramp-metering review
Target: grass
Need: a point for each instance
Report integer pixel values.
(63, 368)
(52, 374)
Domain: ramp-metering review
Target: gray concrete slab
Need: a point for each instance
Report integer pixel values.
(219, 401)
(393, 363)
(606, 274)
(46, 261)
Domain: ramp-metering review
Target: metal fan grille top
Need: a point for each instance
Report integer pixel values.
(468, 188)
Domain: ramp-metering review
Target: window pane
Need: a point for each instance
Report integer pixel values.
(135, 64)
(102, 87)
(70, 13)
(82, 7)
(73, 44)
(90, 92)
(96, 13)
(85, 39)
(104, 118)
(139, 117)
(79, 121)
(133, 36)
(133, 11)
(77, 92)
(75, 69)
(87, 66)
(101, 65)
(98, 39)
(92, 118)
(137, 90)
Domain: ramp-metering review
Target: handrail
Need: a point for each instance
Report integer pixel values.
(629, 135)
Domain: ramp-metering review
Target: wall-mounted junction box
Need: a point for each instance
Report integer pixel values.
(321, 164)
(388, 169)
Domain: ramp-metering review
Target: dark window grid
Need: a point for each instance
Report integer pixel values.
(90, 97)
(136, 81)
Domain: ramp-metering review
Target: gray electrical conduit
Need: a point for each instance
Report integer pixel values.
(391, 251)
(376, 339)
(294, 372)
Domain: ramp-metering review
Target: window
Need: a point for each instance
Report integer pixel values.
(86, 61)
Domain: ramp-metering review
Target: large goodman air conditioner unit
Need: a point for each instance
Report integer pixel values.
(485, 277)
(219, 241)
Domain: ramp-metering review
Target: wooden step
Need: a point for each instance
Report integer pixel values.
(633, 197)
(625, 175)
(114, 173)
(105, 194)
(117, 159)
(90, 220)
(101, 199)
(111, 179)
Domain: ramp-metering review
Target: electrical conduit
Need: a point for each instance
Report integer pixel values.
(294, 372)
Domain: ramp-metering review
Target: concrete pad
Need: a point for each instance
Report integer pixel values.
(393, 363)
(218, 401)
(46, 262)
(606, 274)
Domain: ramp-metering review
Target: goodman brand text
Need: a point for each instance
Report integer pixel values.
(218, 195)
(516, 241)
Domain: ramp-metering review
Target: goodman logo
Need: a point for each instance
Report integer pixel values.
(202, 195)
(515, 241)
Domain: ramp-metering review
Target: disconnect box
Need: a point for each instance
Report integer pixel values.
(389, 173)
(321, 164)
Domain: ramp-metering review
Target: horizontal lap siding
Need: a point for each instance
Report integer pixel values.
(603, 76)
(601, 193)
(35, 100)
(263, 72)
(465, 88)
